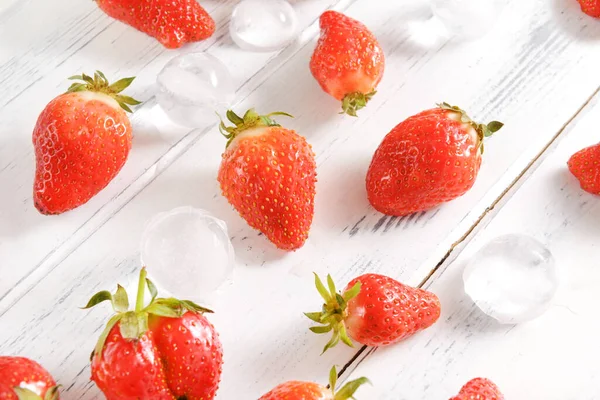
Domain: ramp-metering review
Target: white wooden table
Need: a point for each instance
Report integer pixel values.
(538, 71)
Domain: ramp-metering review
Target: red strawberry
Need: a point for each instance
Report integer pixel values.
(348, 62)
(590, 7)
(585, 165)
(479, 389)
(428, 159)
(22, 378)
(172, 22)
(268, 174)
(165, 351)
(297, 390)
(374, 310)
(81, 141)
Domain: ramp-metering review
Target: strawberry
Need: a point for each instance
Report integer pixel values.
(348, 62)
(166, 350)
(590, 7)
(479, 389)
(268, 174)
(25, 379)
(297, 390)
(374, 310)
(172, 22)
(428, 159)
(81, 141)
(585, 165)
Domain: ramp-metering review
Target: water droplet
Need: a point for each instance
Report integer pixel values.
(263, 25)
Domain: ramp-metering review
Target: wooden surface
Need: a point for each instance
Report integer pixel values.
(537, 71)
(551, 357)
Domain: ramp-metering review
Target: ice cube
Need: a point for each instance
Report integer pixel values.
(467, 18)
(187, 252)
(513, 278)
(263, 25)
(192, 87)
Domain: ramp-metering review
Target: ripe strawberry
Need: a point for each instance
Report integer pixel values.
(268, 174)
(428, 159)
(479, 389)
(585, 165)
(172, 22)
(81, 141)
(165, 351)
(22, 378)
(590, 7)
(348, 62)
(374, 310)
(297, 390)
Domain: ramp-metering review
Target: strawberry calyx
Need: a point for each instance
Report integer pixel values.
(333, 313)
(26, 394)
(347, 391)
(133, 324)
(483, 130)
(251, 119)
(353, 102)
(100, 84)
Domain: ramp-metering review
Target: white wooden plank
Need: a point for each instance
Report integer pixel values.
(553, 357)
(264, 333)
(34, 69)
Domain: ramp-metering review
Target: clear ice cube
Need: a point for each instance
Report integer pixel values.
(263, 25)
(192, 87)
(513, 278)
(187, 252)
(467, 18)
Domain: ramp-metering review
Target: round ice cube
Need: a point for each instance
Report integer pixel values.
(187, 252)
(513, 278)
(192, 87)
(467, 18)
(263, 25)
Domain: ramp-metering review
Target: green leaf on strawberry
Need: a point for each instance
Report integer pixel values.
(347, 391)
(334, 312)
(251, 119)
(355, 101)
(374, 310)
(100, 84)
(314, 391)
(133, 324)
(268, 174)
(348, 62)
(26, 394)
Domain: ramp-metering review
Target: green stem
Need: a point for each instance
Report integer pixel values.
(139, 302)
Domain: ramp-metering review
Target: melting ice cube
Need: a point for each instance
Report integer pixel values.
(192, 87)
(263, 25)
(513, 278)
(187, 252)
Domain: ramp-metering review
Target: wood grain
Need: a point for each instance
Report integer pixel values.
(83, 38)
(534, 71)
(551, 357)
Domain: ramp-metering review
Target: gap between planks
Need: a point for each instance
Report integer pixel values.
(356, 360)
(176, 151)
